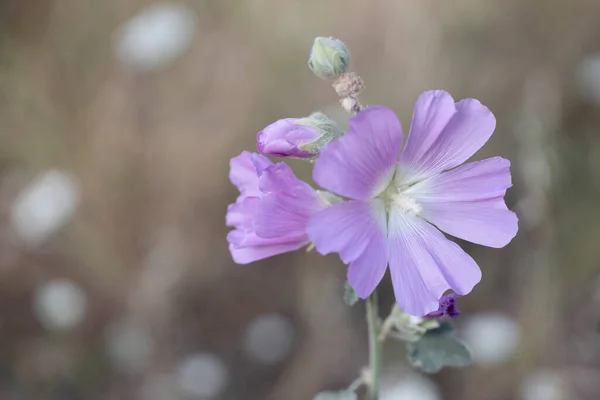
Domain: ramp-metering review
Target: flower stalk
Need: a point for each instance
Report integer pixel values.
(375, 345)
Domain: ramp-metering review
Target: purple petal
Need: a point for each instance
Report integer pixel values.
(443, 134)
(360, 164)
(286, 205)
(365, 273)
(357, 231)
(447, 307)
(243, 173)
(246, 255)
(347, 228)
(281, 207)
(241, 213)
(242, 237)
(283, 138)
(468, 202)
(424, 265)
(245, 246)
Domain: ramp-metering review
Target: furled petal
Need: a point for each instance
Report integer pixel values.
(468, 202)
(241, 213)
(424, 264)
(283, 138)
(293, 201)
(246, 255)
(244, 171)
(244, 236)
(443, 134)
(245, 246)
(357, 231)
(286, 204)
(360, 164)
(260, 163)
(241, 238)
(447, 307)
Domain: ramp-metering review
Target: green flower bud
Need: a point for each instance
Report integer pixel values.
(329, 58)
(297, 137)
(327, 128)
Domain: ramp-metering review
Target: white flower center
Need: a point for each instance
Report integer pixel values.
(396, 197)
(406, 204)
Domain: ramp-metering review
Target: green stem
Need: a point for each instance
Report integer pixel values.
(355, 384)
(374, 346)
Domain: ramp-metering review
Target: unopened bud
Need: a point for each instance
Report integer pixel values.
(297, 137)
(329, 58)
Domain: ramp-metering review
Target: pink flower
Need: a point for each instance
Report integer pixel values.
(272, 211)
(398, 203)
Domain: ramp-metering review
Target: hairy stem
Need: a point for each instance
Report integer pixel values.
(374, 346)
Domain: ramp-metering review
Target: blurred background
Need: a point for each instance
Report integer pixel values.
(118, 119)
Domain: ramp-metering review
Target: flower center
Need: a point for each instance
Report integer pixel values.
(396, 197)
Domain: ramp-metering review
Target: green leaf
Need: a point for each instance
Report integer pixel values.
(438, 349)
(444, 327)
(350, 296)
(343, 395)
(430, 324)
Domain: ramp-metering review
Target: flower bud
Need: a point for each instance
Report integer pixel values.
(329, 58)
(297, 137)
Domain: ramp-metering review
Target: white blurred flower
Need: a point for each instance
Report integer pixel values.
(129, 344)
(492, 338)
(156, 36)
(268, 338)
(588, 77)
(411, 387)
(202, 375)
(543, 385)
(44, 206)
(59, 304)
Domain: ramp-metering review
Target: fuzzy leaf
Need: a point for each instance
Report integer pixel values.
(438, 349)
(350, 296)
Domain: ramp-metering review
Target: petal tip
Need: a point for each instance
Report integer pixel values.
(511, 232)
